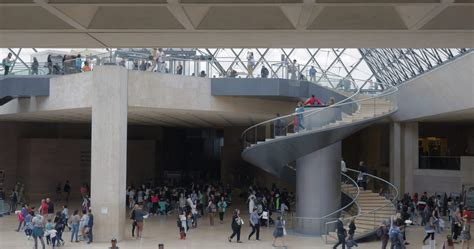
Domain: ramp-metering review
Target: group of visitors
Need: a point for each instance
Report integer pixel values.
(44, 223)
(68, 65)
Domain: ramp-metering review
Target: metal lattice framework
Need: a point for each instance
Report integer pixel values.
(347, 63)
(397, 65)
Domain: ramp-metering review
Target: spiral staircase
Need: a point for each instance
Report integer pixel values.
(272, 149)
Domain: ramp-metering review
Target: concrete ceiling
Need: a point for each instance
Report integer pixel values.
(463, 116)
(236, 23)
(145, 116)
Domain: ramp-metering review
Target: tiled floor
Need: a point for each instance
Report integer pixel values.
(162, 229)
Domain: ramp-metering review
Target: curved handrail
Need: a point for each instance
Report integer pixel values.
(311, 112)
(377, 209)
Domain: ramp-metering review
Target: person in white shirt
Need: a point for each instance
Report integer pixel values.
(343, 166)
(160, 61)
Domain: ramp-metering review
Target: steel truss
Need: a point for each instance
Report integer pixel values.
(397, 65)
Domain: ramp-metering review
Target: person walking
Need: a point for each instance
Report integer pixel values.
(132, 217)
(299, 119)
(140, 214)
(236, 225)
(384, 234)
(222, 206)
(449, 243)
(21, 217)
(429, 230)
(279, 232)
(466, 232)
(50, 208)
(90, 225)
(7, 63)
(255, 224)
(341, 234)
(211, 209)
(75, 220)
(352, 229)
(160, 61)
(38, 230)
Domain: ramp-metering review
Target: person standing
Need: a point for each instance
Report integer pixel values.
(160, 61)
(255, 224)
(50, 208)
(293, 70)
(75, 220)
(341, 234)
(67, 190)
(90, 225)
(7, 63)
(221, 205)
(179, 69)
(114, 244)
(264, 72)
(449, 243)
(250, 64)
(236, 225)
(13, 200)
(279, 231)
(78, 63)
(21, 217)
(34, 66)
(312, 74)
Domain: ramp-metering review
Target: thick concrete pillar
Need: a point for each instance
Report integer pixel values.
(403, 155)
(318, 187)
(410, 155)
(109, 151)
(395, 154)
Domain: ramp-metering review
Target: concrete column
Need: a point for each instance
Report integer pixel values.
(395, 154)
(318, 188)
(410, 157)
(109, 151)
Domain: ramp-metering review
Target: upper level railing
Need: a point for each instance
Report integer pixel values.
(199, 66)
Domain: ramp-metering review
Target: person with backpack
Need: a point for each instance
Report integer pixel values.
(236, 225)
(341, 233)
(7, 63)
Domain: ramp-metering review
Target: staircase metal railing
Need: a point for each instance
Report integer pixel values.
(391, 197)
(348, 105)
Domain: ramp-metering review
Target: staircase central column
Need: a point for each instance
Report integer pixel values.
(318, 187)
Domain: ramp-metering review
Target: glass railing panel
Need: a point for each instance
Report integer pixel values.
(440, 162)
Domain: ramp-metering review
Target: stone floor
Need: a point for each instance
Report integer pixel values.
(162, 229)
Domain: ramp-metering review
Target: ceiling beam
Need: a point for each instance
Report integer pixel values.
(432, 14)
(51, 9)
(175, 7)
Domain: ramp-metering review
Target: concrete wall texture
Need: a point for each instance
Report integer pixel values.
(446, 89)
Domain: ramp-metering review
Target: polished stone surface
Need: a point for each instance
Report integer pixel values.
(162, 229)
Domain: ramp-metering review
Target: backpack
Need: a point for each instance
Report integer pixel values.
(394, 233)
